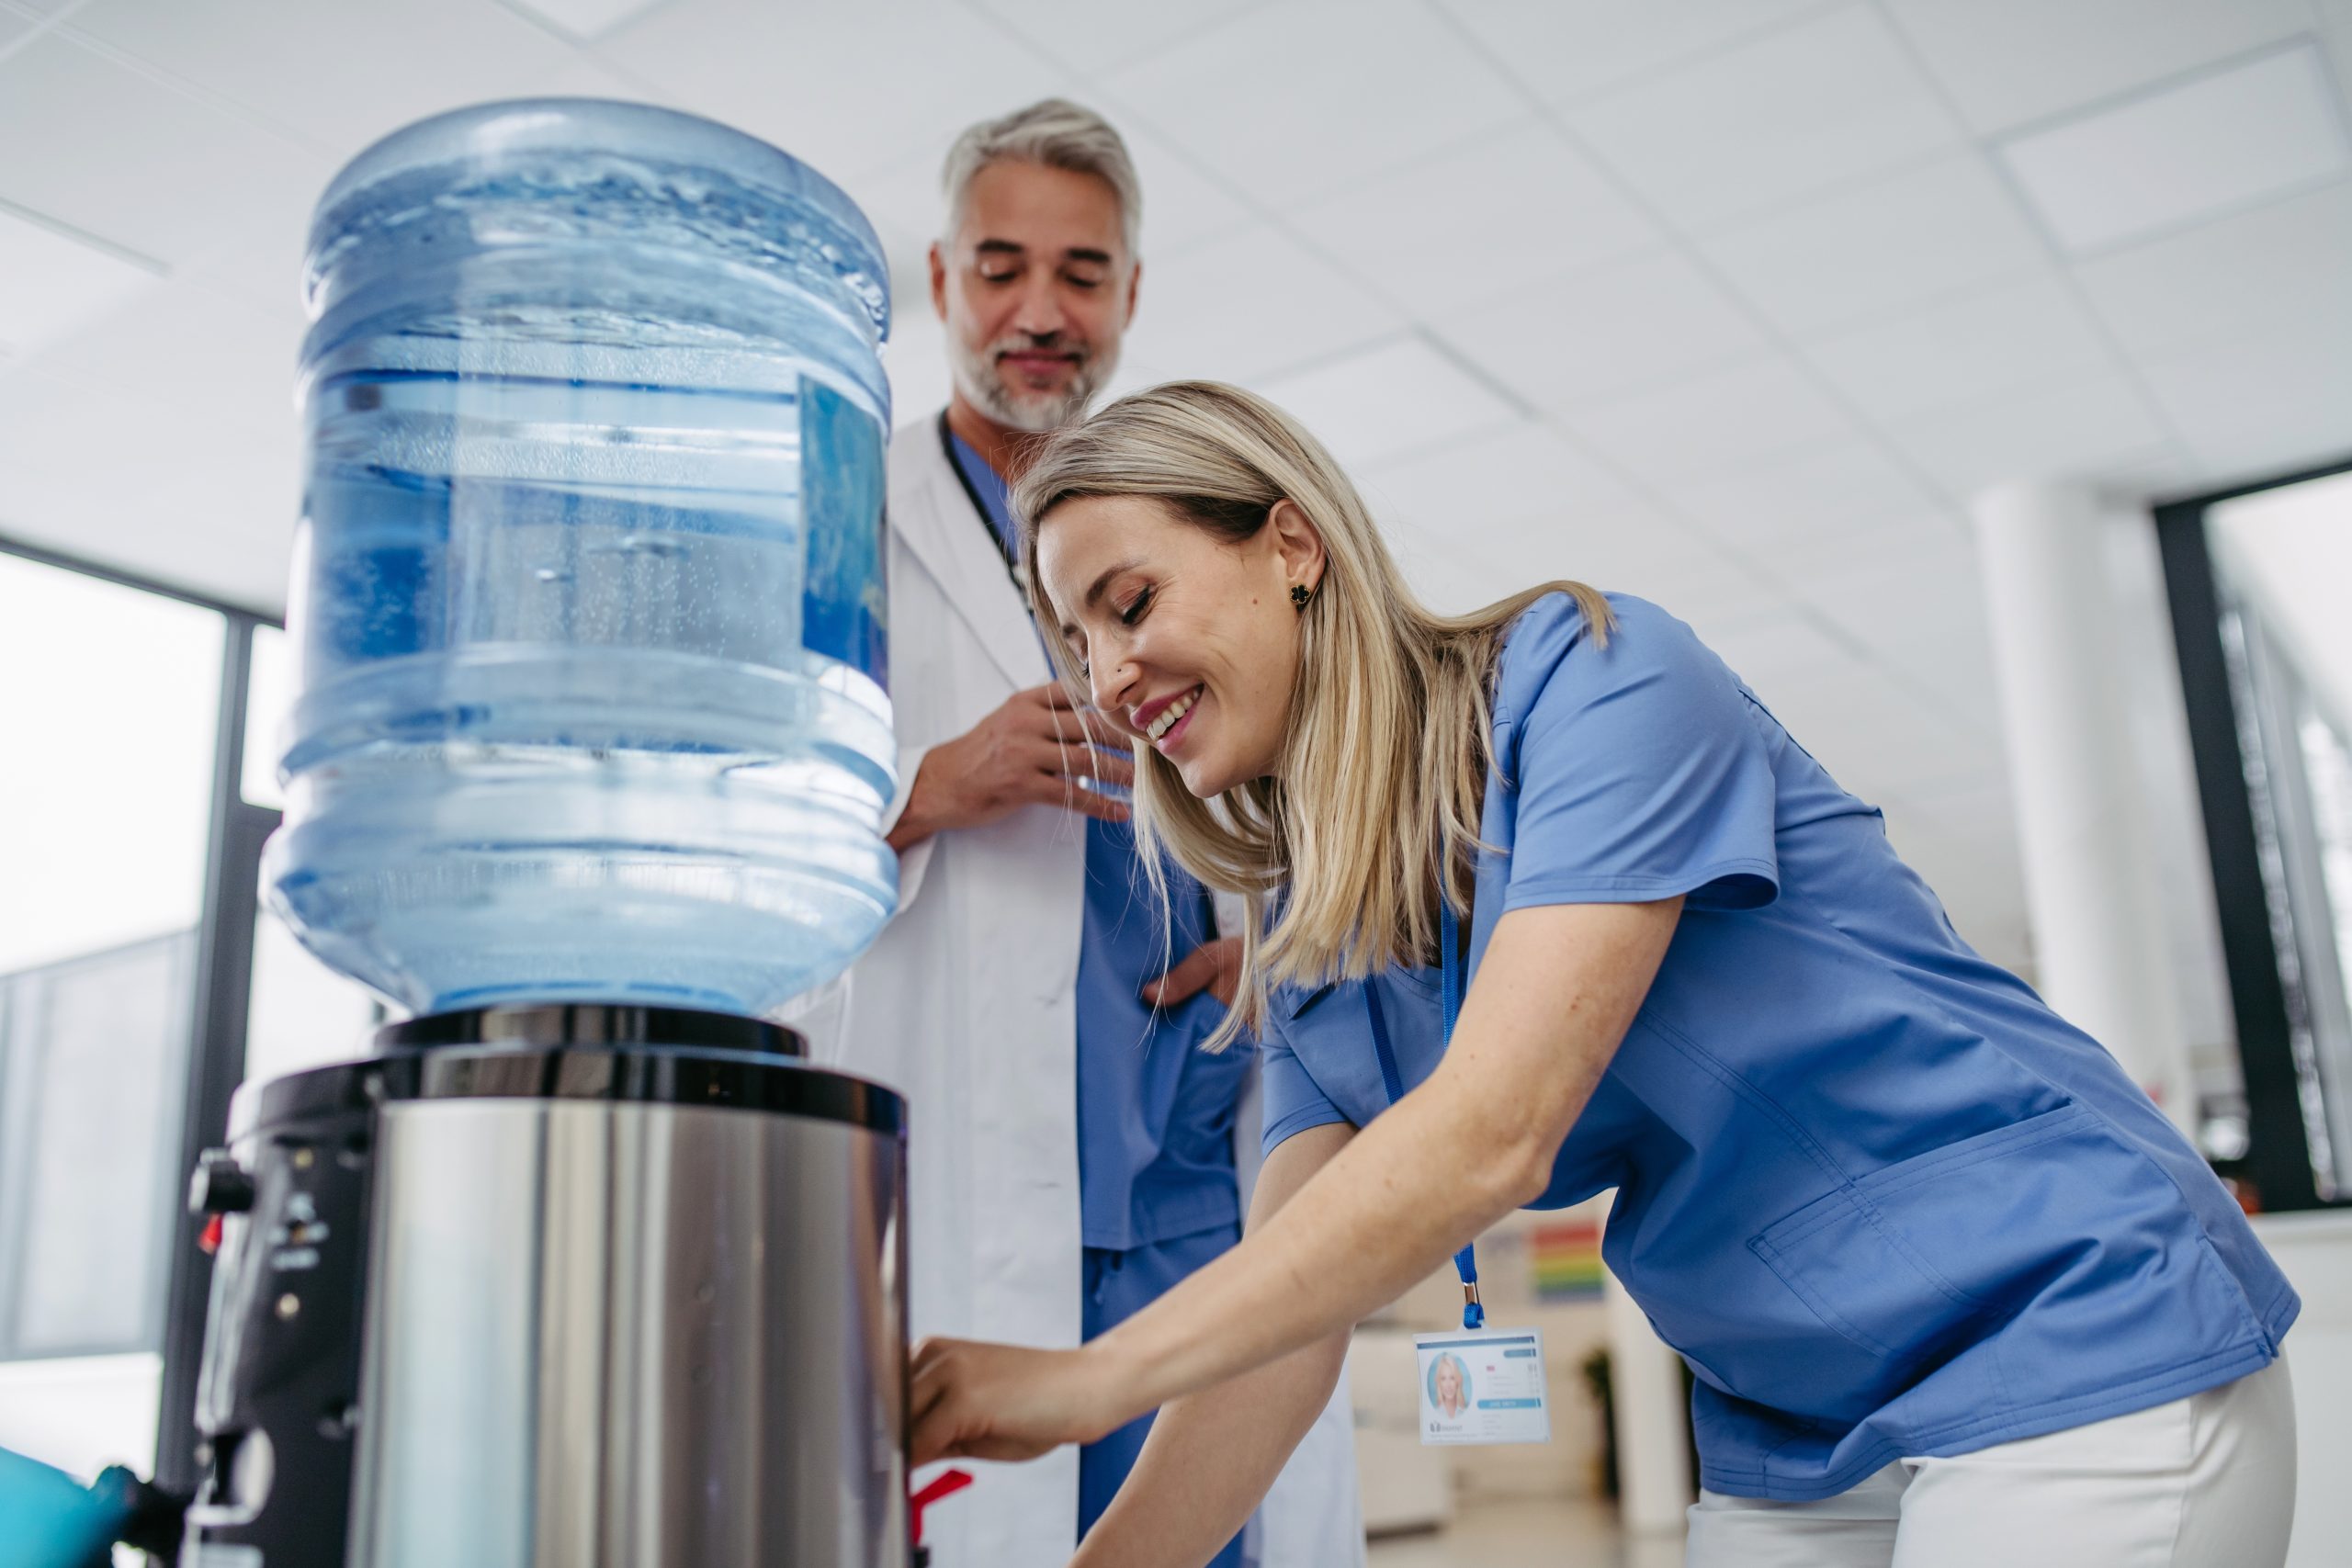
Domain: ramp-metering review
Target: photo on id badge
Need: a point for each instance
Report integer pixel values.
(1483, 1386)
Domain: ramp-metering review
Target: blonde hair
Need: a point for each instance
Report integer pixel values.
(1372, 816)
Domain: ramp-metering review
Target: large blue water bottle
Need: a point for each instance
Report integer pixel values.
(588, 585)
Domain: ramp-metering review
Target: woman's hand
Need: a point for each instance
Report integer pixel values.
(1004, 1402)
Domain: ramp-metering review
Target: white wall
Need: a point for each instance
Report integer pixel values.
(2315, 1249)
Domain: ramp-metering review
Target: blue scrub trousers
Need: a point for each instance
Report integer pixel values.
(1118, 1286)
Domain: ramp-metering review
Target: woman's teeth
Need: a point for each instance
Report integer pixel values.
(1171, 713)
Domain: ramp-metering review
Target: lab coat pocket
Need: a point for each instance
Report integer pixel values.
(1912, 1262)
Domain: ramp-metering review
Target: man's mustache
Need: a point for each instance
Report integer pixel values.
(1077, 355)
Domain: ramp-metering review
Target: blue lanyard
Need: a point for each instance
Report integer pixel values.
(1466, 1262)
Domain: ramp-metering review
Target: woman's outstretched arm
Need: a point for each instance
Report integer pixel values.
(1556, 991)
(1212, 1456)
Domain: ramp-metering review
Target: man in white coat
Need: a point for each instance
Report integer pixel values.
(1073, 1152)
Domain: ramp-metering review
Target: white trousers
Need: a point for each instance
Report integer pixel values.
(2206, 1482)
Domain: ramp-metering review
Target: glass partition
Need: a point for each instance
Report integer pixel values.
(109, 717)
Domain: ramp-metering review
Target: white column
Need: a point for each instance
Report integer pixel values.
(2091, 887)
(1652, 1420)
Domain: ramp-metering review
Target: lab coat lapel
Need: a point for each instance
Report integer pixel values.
(953, 541)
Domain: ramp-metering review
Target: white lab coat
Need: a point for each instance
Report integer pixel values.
(966, 1003)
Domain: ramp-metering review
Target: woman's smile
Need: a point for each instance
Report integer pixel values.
(1163, 722)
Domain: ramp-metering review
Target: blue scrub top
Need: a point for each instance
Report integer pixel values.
(1883, 1201)
(1154, 1113)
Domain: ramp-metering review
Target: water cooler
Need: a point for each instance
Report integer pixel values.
(586, 1264)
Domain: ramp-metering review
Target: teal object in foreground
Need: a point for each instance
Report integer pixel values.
(50, 1520)
(588, 589)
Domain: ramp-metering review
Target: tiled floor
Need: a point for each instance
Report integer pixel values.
(1489, 1533)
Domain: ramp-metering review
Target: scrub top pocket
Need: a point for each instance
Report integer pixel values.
(1913, 1261)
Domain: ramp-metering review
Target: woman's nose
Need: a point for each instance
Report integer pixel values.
(1113, 686)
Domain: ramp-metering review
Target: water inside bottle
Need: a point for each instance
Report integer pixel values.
(605, 659)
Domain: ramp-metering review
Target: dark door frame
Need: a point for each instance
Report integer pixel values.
(2278, 1154)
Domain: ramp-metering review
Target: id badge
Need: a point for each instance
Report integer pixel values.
(1483, 1386)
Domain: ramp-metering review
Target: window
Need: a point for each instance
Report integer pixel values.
(110, 713)
(2255, 579)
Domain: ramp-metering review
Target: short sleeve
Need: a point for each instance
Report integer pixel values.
(1641, 769)
(1294, 1101)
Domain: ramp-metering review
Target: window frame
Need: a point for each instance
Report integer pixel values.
(2279, 1155)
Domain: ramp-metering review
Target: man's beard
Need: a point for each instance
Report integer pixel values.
(977, 376)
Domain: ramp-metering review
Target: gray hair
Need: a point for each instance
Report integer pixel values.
(1059, 135)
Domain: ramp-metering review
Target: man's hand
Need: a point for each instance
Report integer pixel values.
(1213, 967)
(1033, 751)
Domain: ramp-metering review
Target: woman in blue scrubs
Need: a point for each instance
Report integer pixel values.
(1951, 1288)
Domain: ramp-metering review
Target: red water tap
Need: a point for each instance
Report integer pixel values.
(946, 1484)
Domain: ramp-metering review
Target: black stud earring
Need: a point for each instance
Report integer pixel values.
(1299, 594)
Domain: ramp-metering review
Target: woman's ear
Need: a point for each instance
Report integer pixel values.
(1297, 543)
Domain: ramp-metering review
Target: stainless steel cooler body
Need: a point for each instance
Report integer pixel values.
(624, 1305)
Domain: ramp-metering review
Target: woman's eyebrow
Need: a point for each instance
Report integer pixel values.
(1094, 595)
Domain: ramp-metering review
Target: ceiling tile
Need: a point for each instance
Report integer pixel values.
(339, 76)
(1182, 207)
(583, 75)
(1567, 49)
(1249, 305)
(1393, 399)
(2336, 27)
(1642, 551)
(1526, 472)
(1750, 129)
(2263, 404)
(1495, 215)
(1289, 102)
(1892, 595)
(1505, 535)
(1878, 248)
(2279, 266)
(200, 503)
(2186, 153)
(904, 204)
(2072, 428)
(1919, 613)
(583, 18)
(1872, 732)
(134, 162)
(848, 89)
(1446, 578)
(1963, 350)
(1780, 645)
(1715, 422)
(261, 265)
(1092, 38)
(185, 345)
(1834, 488)
(1626, 326)
(51, 286)
(2005, 62)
